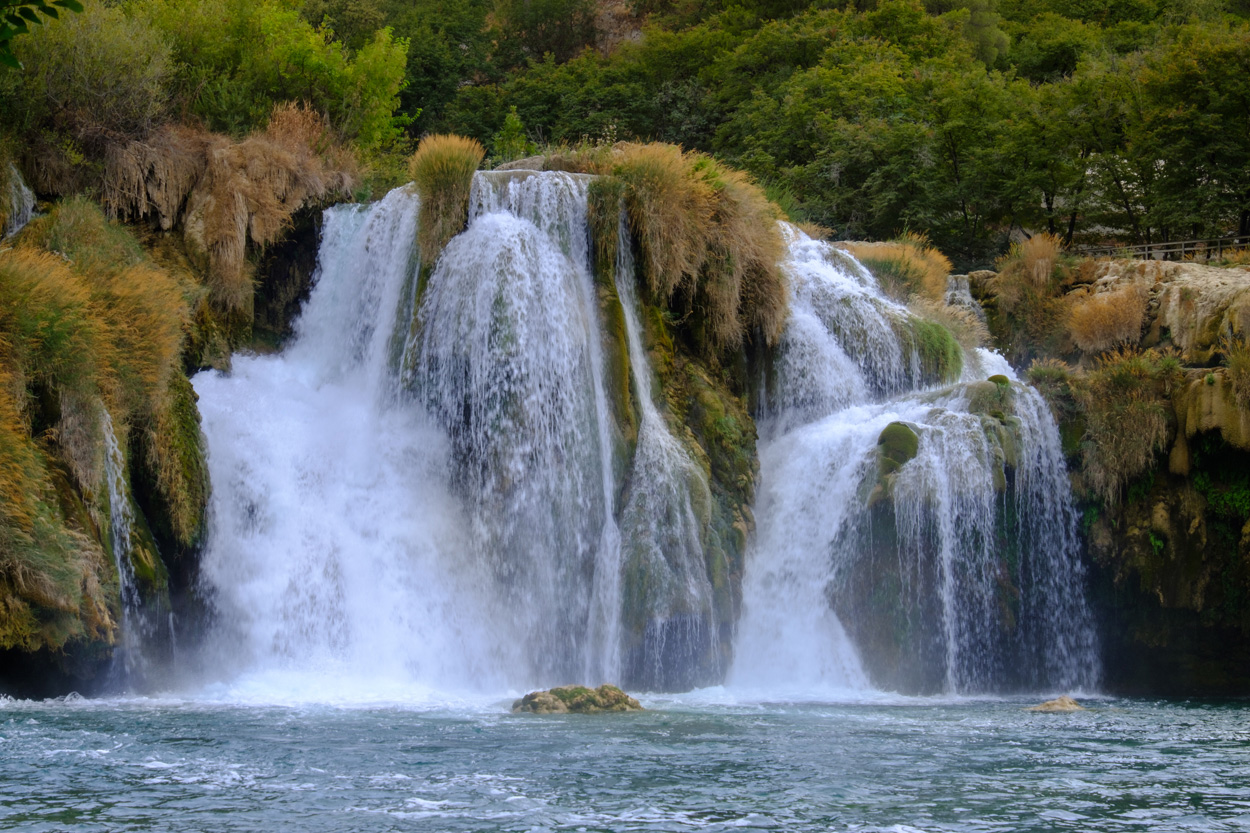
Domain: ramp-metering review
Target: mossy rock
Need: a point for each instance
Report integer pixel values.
(999, 379)
(990, 397)
(898, 444)
(576, 699)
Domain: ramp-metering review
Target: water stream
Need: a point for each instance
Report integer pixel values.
(21, 204)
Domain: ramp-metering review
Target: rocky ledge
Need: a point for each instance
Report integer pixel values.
(576, 699)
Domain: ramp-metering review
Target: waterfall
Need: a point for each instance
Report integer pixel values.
(335, 553)
(666, 589)
(21, 204)
(121, 526)
(509, 361)
(933, 577)
(431, 487)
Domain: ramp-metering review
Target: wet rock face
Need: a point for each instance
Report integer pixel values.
(1170, 571)
(576, 699)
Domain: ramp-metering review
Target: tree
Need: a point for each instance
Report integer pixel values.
(17, 17)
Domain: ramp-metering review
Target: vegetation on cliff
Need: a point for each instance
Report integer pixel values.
(1143, 364)
(93, 331)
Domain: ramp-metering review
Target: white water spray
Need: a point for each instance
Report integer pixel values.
(334, 557)
(929, 598)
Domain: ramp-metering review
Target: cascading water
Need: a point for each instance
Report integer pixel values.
(933, 576)
(334, 560)
(21, 204)
(508, 359)
(121, 525)
(666, 589)
(425, 487)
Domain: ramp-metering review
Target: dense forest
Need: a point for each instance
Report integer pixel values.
(1106, 120)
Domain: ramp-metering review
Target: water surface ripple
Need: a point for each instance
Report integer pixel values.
(688, 764)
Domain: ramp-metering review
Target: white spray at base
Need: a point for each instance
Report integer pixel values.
(977, 588)
(331, 560)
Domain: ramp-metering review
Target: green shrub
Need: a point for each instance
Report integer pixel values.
(102, 71)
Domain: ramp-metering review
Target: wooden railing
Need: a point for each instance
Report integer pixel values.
(1173, 250)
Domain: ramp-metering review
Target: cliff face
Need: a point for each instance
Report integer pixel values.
(1143, 364)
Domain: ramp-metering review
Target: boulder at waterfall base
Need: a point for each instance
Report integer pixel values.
(576, 699)
(1059, 704)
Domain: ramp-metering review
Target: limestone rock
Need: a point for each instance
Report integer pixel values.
(1059, 704)
(576, 699)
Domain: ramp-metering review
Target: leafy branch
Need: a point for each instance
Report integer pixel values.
(16, 18)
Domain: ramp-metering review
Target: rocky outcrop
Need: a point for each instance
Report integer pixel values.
(576, 699)
(1057, 706)
(1159, 445)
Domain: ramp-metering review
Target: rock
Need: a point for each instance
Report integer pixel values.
(897, 444)
(576, 699)
(1059, 704)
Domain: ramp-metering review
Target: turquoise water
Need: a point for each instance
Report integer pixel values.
(695, 762)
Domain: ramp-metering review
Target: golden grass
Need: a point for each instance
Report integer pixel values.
(708, 232)
(670, 213)
(154, 177)
(49, 341)
(227, 193)
(744, 284)
(443, 169)
(1106, 320)
(1037, 258)
(907, 267)
(1126, 401)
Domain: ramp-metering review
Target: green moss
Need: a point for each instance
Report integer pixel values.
(604, 210)
(941, 358)
(175, 468)
(898, 444)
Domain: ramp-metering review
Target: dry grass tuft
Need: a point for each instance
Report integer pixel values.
(1127, 404)
(585, 158)
(1030, 318)
(670, 213)
(154, 176)
(443, 169)
(964, 324)
(907, 267)
(1038, 256)
(708, 232)
(743, 281)
(251, 189)
(815, 230)
(1108, 319)
(225, 192)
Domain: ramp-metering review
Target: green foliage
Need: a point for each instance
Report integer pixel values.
(238, 58)
(102, 71)
(530, 29)
(16, 18)
(511, 142)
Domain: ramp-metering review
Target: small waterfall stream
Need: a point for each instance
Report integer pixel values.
(121, 525)
(21, 204)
